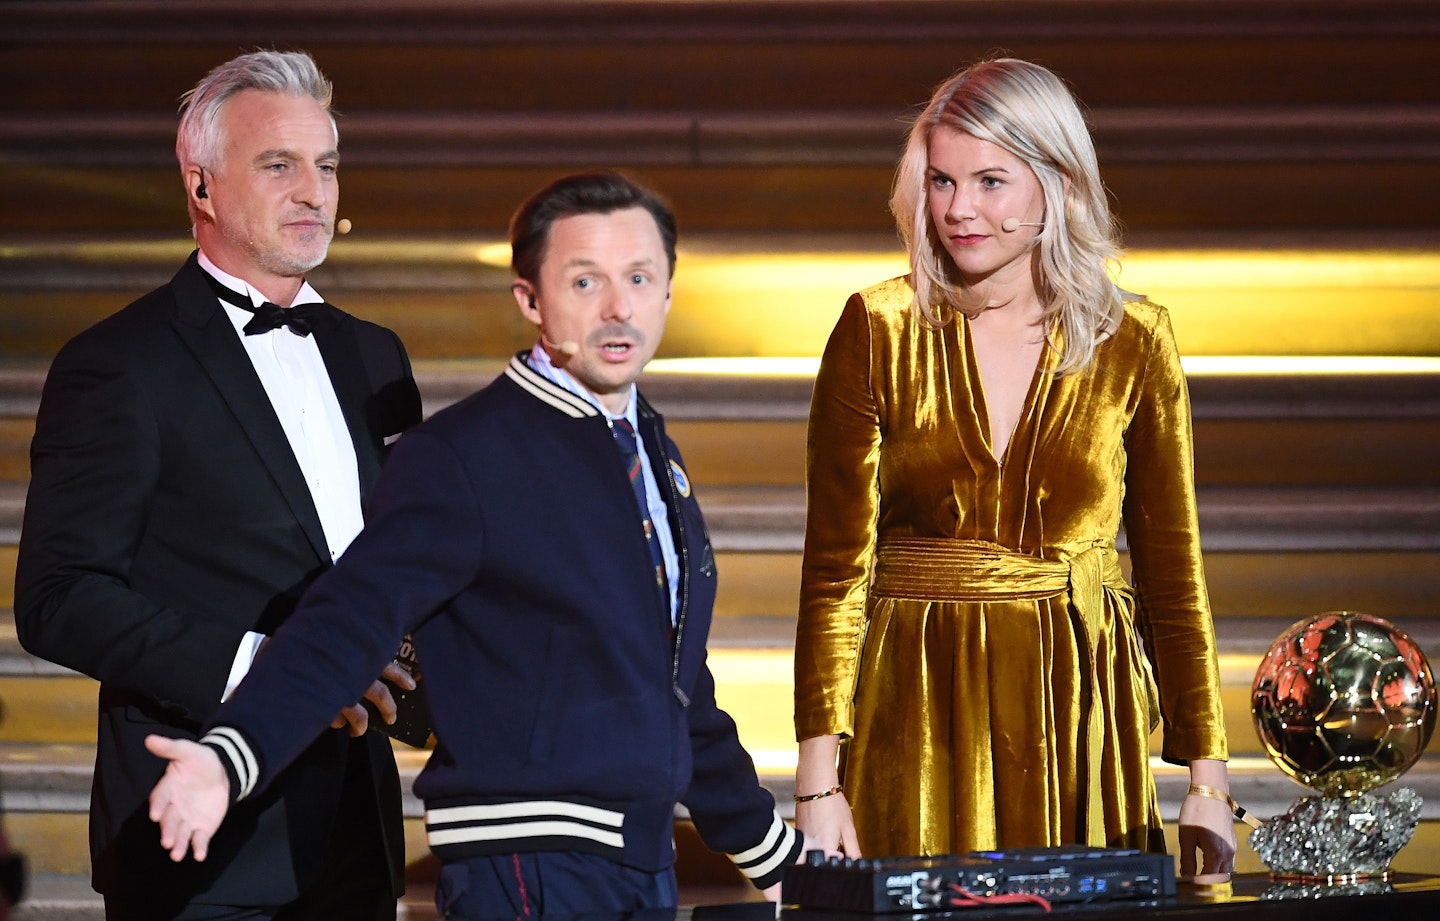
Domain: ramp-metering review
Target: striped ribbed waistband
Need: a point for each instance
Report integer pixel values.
(940, 569)
(492, 828)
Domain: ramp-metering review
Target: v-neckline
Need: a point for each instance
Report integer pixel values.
(981, 405)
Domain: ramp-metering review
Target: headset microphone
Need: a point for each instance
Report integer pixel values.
(343, 226)
(569, 348)
(1012, 224)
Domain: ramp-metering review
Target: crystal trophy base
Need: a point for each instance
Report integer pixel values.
(1338, 841)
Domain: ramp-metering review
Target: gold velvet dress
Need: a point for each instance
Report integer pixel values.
(964, 620)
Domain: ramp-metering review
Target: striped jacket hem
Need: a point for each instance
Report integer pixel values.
(479, 829)
(487, 829)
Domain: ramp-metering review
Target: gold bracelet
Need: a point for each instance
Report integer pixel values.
(811, 797)
(1197, 789)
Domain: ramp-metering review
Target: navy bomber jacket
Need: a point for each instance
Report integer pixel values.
(503, 535)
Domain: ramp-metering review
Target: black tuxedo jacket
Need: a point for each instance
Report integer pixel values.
(166, 517)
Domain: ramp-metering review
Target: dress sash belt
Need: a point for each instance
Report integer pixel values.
(945, 569)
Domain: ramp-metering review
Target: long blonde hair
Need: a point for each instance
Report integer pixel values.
(1026, 110)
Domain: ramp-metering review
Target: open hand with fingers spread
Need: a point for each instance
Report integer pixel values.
(191, 799)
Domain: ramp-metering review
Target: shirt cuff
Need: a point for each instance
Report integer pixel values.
(249, 645)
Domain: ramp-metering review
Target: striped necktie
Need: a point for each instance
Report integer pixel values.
(625, 440)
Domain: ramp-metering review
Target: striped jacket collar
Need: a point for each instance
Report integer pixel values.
(547, 391)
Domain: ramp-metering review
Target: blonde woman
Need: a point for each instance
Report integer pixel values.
(980, 429)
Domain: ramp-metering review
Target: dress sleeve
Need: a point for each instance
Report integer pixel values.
(842, 501)
(1162, 526)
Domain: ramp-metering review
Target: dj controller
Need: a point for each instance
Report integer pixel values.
(920, 884)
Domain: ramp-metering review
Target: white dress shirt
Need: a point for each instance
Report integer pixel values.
(295, 378)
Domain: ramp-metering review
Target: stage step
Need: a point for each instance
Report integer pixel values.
(1276, 552)
(1350, 453)
(1258, 420)
(751, 659)
(760, 294)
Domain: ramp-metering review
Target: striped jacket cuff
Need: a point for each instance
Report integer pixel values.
(764, 865)
(237, 757)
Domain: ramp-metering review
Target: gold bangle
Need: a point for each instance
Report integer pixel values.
(1197, 789)
(811, 797)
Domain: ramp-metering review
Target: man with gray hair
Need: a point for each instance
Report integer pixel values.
(199, 458)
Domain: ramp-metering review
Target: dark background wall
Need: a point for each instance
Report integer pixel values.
(1266, 119)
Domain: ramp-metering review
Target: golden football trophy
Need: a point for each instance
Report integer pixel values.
(1344, 702)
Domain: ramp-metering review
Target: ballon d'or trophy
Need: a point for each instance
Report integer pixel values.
(1344, 702)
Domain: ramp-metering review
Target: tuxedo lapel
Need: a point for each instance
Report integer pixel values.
(352, 389)
(203, 326)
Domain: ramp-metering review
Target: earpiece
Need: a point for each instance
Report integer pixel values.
(200, 189)
(568, 348)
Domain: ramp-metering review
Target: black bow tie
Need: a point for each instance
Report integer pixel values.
(268, 316)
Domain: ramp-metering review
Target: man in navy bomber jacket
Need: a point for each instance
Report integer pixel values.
(560, 627)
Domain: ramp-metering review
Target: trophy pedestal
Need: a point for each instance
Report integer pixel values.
(1338, 841)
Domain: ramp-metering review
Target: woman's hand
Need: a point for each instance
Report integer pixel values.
(825, 820)
(1207, 825)
(828, 825)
